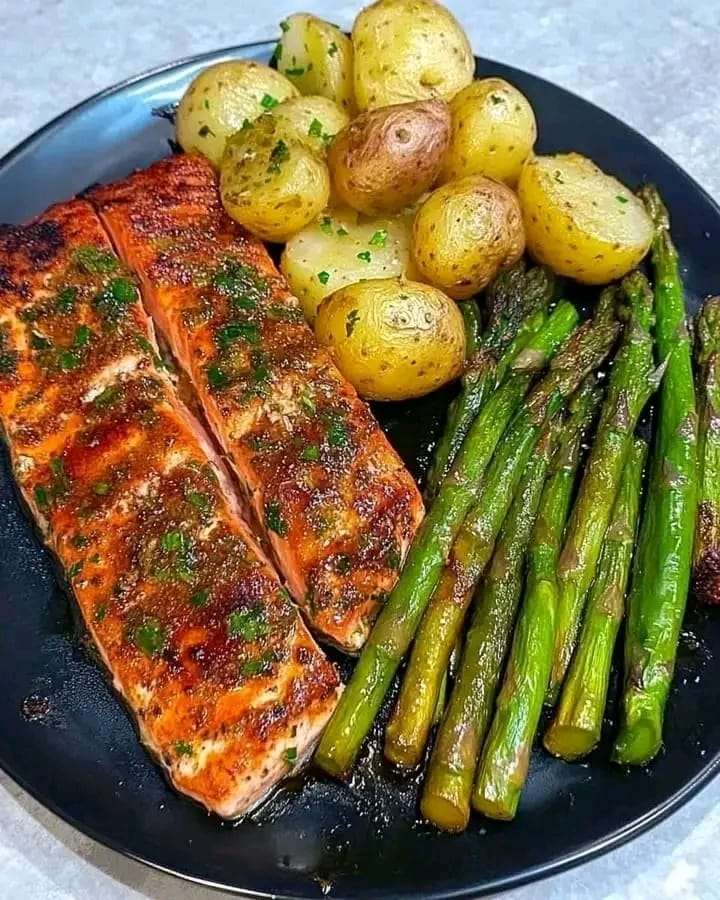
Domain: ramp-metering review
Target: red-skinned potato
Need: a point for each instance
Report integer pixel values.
(385, 159)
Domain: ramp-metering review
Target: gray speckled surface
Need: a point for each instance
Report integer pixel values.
(652, 63)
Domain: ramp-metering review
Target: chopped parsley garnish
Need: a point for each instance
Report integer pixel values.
(337, 433)
(332, 49)
(205, 130)
(100, 612)
(200, 598)
(284, 26)
(68, 360)
(343, 563)
(496, 99)
(206, 104)
(65, 300)
(173, 540)
(326, 224)
(79, 540)
(310, 453)
(351, 321)
(308, 404)
(94, 261)
(621, 199)
(316, 128)
(365, 256)
(39, 341)
(299, 70)
(101, 488)
(198, 500)
(182, 748)
(290, 756)
(149, 637)
(233, 331)
(41, 496)
(240, 283)
(269, 102)
(274, 519)
(342, 232)
(246, 125)
(379, 239)
(113, 300)
(258, 665)
(278, 155)
(108, 397)
(217, 378)
(323, 277)
(74, 569)
(276, 55)
(249, 624)
(82, 336)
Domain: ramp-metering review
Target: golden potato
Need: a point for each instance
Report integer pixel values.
(581, 222)
(313, 120)
(408, 50)
(387, 158)
(493, 132)
(340, 248)
(271, 182)
(392, 338)
(465, 232)
(318, 58)
(221, 99)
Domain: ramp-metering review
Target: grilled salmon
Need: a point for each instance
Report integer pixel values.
(202, 640)
(337, 504)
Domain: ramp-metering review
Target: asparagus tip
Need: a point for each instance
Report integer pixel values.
(655, 207)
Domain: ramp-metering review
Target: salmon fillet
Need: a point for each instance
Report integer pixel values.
(336, 502)
(226, 684)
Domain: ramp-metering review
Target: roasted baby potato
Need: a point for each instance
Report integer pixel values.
(318, 58)
(392, 338)
(409, 50)
(579, 221)
(493, 132)
(340, 248)
(465, 232)
(221, 99)
(271, 182)
(313, 120)
(387, 158)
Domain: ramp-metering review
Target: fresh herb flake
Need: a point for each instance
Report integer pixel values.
(379, 239)
(310, 453)
(323, 277)
(200, 598)
(274, 519)
(365, 256)
(249, 624)
(290, 756)
(149, 637)
(316, 128)
(182, 748)
(269, 102)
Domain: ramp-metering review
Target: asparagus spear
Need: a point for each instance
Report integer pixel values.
(576, 728)
(412, 718)
(506, 755)
(707, 527)
(632, 382)
(660, 584)
(396, 625)
(516, 304)
(446, 793)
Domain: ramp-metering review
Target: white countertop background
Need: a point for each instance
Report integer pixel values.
(653, 63)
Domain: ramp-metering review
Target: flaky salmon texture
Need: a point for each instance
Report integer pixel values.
(227, 686)
(334, 498)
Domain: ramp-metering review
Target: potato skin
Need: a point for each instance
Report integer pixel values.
(465, 232)
(393, 339)
(340, 248)
(385, 159)
(318, 58)
(581, 222)
(313, 120)
(409, 50)
(493, 132)
(271, 182)
(219, 100)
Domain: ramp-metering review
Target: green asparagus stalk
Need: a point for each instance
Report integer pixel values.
(411, 720)
(577, 725)
(505, 758)
(448, 785)
(660, 584)
(632, 382)
(516, 304)
(707, 528)
(450, 673)
(396, 625)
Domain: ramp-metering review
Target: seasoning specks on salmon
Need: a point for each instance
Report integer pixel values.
(336, 502)
(197, 631)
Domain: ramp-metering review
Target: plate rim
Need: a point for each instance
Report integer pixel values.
(537, 872)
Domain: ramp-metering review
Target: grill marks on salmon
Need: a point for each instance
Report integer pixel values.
(227, 686)
(335, 500)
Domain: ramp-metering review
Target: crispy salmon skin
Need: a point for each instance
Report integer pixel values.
(227, 686)
(336, 502)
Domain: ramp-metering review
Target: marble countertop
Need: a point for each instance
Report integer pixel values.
(652, 64)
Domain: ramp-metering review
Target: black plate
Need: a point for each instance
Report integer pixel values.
(65, 738)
